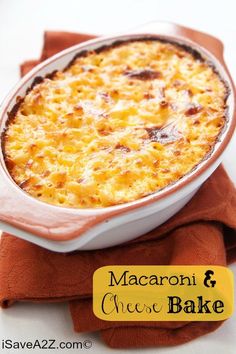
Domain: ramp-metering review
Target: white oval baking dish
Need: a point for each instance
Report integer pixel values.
(65, 229)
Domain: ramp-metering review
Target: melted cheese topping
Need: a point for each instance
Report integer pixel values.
(116, 125)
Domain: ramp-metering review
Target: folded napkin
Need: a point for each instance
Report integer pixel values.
(203, 232)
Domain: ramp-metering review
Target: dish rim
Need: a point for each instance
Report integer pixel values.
(39, 79)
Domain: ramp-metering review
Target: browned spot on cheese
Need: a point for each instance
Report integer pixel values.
(9, 163)
(193, 109)
(163, 135)
(123, 148)
(24, 183)
(143, 74)
(148, 95)
(164, 104)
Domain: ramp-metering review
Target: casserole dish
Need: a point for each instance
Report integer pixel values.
(67, 229)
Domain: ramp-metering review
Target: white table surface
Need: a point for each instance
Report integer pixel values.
(22, 23)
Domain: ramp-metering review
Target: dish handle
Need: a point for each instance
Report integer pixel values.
(21, 213)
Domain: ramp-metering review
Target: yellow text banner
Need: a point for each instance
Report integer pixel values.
(163, 293)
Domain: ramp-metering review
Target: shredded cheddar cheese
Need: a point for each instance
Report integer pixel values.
(116, 125)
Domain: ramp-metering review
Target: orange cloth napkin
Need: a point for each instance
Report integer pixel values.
(203, 232)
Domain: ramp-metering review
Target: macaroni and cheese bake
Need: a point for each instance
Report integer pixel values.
(117, 124)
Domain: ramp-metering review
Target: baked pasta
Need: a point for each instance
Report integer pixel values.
(117, 124)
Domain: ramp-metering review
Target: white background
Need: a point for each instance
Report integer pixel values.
(22, 23)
